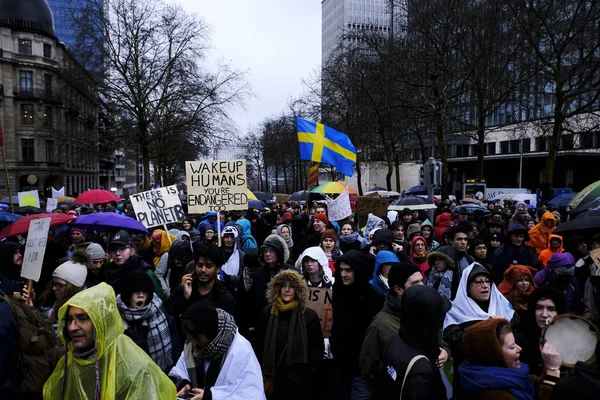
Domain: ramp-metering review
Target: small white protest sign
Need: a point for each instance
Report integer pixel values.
(158, 206)
(37, 237)
(216, 185)
(58, 193)
(51, 205)
(339, 208)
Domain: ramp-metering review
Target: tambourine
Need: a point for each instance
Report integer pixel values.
(574, 338)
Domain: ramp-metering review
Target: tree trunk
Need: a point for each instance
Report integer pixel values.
(480, 144)
(285, 179)
(276, 179)
(439, 133)
(146, 163)
(359, 177)
(553, 149)
(397, 167)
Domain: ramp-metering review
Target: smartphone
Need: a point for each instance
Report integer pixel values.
(186, 396)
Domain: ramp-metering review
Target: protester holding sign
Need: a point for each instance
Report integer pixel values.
(158, 206)
(11, 261)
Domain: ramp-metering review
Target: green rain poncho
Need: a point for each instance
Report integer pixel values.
(126, 371)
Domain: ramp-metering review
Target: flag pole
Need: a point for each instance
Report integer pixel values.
(12, 207)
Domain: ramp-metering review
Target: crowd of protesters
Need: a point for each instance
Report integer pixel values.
(453, 307)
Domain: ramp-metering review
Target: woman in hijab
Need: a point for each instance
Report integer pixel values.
(315, 267)
(477, 299)
(284, 231)
(493, 369)
(291, 338)
(418, 254)
(517, 286)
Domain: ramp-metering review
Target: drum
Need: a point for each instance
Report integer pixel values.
(574, 338)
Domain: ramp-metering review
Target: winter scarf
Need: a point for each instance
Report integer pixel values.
(297, 342)
(476, 378)
(159, 337)
(353, 237)
(441, 281)
(288, 240)
(194, 360)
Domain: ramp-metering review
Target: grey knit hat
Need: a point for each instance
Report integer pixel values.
(95, 251)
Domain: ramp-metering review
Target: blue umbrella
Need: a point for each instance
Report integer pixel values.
(4, 206)
(416, 191)
(562, 200)
(6, 200)
(256, 204)
(9, 217)
(103, 221)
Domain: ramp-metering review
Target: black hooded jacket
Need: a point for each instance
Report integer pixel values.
(354, 306)
(180, 250)
(10, 276)
(422, 315)
(508, 254)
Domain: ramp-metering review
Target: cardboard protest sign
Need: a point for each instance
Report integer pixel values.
(281, 198)
(339, 208)
(157, 206)
(37, 237)
(319, 300)
(58, 193)
(366, 205)
(51, 205)
(595, 254)
(31, 198)
(216, 185)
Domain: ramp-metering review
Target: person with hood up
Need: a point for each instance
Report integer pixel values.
(560, 274)
(315, 267)
(234, 257)
(427, 233)
(477, 299)
(217, 362)
(208, 235)
(284, 231)
(411, 357)
(355, 302)
(163, 268)
(68, 280)
(211, 220)
(247, 241)
(373, 222)
(273, 256)
(540, 233)
(384, 260)
(442, 222)
(517, 286)
(412, 231)
(543, 305)
(161, 244)
(383, 240)
(291, 332)
(442, 275)
(179, 256)
(96, 266)
(418, 254)
(329, 246)
(555, 245)
(188, 225)
(493, 369)
(513, 251)
(11, 261)
(350, 239)
(102, 362)
(146, 322)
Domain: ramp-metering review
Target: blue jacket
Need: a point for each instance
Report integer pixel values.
(247, 241)
(383, 257)
(8, 347)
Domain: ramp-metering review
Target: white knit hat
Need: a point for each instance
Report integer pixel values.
(72, 272)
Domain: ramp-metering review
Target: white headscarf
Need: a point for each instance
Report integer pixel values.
(465, 309)
(316, 253)
(232, 266)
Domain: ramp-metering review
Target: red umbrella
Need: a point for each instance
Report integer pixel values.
(21, 225)
(96, 196)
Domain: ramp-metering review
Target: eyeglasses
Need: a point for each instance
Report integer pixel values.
(79, 320)
(482, 282)
(58, 285)
(118, 250)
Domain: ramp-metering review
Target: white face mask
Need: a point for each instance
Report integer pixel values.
(384, 280)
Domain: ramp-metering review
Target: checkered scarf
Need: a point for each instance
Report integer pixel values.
(159, 337)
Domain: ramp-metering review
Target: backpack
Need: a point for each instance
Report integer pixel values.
(39, 347)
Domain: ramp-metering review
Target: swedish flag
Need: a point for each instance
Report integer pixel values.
(321, 143)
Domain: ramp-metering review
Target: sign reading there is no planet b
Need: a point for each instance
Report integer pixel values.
(158, 206)
(216, 185)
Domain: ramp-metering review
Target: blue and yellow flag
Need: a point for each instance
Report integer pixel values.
(323, 144)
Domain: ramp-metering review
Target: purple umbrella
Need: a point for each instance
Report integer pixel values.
(104, 221)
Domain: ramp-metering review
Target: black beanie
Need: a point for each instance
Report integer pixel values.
(477, 269)
(137, 281)
(201, 318)
(399, 273)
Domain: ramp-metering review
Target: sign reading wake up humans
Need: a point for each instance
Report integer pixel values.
(158, 206)
(216, 185)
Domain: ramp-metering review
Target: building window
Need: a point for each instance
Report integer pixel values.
(586, 140)
(47, 117)
(526, 145)
(462, 150)
(26, 114)
(48, 84)
(504, 147)
(514, 146)
(47, 50)
(490, 148)
(541, 143)
(27, 150)
(49, 151)
(25, 46)
(26, 82)
(567, 142)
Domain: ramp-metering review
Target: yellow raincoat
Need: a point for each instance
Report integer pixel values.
(126, 371)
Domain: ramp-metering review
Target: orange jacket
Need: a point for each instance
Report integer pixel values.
(547, 254)
(540, 233)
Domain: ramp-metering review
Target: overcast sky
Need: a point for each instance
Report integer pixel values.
(277, 41)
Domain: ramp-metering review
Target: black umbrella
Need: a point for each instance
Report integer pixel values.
(256, 204)
(301, 196)
(412, 203)
(28, 210)
(262, 196)
(472, 208)
(586, 223)
(376, 188)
